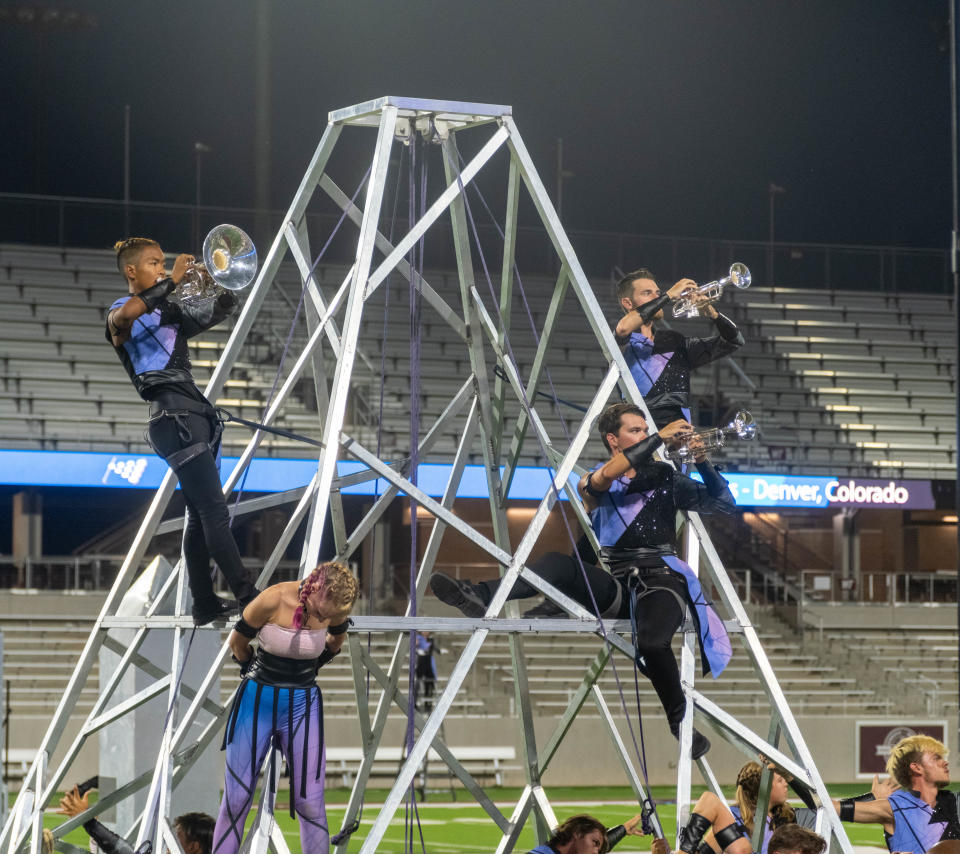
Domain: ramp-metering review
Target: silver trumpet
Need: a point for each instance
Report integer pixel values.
(229, 262)
(743, 427)
(739, 277)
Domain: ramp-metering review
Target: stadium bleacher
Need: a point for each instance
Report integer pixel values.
(842, 378)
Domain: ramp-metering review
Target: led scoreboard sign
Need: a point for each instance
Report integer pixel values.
(768, 490)
(145, 471)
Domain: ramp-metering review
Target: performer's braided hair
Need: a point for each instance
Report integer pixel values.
(335, 581)
(748, 791)
(128, 251)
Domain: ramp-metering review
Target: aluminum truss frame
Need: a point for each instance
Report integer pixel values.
(334, 326)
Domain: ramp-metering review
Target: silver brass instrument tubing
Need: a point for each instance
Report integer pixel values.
(743, 427)
(738, 276)
(229, 263)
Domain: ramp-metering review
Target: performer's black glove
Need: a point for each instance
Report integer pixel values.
(642, 452)
(649, 309)
(156, 294)
(244, 665)
(326, 656)
(227, 301)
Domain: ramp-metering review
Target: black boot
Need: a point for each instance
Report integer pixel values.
(691, 835)
(209, 610)
(461, 594)
(699, 745)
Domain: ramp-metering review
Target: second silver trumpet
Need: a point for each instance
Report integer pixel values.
(742, 427)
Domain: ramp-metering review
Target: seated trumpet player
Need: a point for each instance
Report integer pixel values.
(661, 360)
(633, 501)
(149, 334)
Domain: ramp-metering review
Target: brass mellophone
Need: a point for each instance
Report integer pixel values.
(229, 261)
(739, 276)
(742, 427)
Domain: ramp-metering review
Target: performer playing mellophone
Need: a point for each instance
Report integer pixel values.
(149, 333)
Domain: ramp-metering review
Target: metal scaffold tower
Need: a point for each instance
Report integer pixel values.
(478, 413)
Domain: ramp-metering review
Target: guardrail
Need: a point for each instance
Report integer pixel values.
(77, 221)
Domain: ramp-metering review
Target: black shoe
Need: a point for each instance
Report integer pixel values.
(460, 594)
(698, 746)
(546, 610)
(210, 610)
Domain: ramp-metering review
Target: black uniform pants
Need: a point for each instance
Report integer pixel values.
(207, 533)
(658, 609)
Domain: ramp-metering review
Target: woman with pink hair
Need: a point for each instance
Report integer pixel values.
(299, 628)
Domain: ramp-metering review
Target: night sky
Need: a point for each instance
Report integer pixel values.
(676, 115)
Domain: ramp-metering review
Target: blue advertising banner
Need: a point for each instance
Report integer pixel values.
(64, 468)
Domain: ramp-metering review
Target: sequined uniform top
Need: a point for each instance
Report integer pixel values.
(639, 514)
(661, 367)
(155, 356)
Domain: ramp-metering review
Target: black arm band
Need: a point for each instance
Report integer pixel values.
(153, 296)
(244, 628)
(649, 309)
(341, 628)
(848, 805)
(728, 835)
(590, 489)
(614, 835)
(641, 453)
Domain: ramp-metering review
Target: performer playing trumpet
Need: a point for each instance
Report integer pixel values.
(633, 501)
(661, 361)
(150, 334)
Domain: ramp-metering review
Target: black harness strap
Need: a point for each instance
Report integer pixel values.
(225, 416)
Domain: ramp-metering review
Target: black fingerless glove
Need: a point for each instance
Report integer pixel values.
(228, 301)
(326, 657)
(153, 296)
(649, 309)
(244, 665)
(614, 835)
(642, 452)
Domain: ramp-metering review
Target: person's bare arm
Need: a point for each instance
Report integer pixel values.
(871, 812)
(256, 614)
(121, 320)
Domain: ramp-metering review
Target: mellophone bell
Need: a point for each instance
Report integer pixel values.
(229, 262)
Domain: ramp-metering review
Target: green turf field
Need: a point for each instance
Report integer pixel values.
(461, 826)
